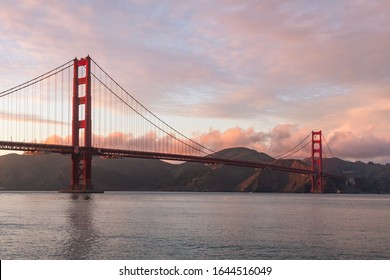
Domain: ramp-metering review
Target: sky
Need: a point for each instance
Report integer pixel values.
(258, 74)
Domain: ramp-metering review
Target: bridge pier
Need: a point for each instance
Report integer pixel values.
(81, 180)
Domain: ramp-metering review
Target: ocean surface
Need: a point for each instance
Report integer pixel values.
(155, 225)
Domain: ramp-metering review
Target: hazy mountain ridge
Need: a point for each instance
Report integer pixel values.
(52, 172)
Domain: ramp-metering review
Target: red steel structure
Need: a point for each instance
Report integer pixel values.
(316, 162)
(81, 158)
(166, 145)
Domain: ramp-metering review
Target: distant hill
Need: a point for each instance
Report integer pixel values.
(52, 172)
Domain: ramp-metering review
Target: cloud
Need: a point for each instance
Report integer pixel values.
(24, 118)
(282, 141)
(366, 147)
(275, 142)
(233, 137)
(56, 139)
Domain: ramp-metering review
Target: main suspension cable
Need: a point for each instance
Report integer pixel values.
(37, 79)
(286, 154)
(152, 114)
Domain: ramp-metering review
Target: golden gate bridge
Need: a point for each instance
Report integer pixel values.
(69, 109)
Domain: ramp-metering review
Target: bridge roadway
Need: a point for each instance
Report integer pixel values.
(65, 149)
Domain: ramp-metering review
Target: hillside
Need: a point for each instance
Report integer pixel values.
(52, 172)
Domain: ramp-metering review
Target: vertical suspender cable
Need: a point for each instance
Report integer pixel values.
(54, 103)
(62, 103)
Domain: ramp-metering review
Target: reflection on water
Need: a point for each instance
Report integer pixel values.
(81, 235)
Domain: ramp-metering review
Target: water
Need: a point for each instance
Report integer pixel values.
(129, 225)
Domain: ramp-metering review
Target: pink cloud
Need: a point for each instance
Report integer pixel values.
(366, 147)
(276, 142)
(56, 139)
(233, 137)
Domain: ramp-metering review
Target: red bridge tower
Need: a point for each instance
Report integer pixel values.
(316, 162)
(81, 180)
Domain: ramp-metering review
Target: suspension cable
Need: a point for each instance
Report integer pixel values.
(283, 155)
(37, 79)
(147, 110)
(140, 114)
(293, 153)
(323, 137)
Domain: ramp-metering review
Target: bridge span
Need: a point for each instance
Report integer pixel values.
(58, 107)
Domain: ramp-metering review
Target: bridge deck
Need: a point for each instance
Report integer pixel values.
(65, 149)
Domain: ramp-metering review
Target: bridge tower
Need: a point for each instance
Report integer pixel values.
(316, 162)
(81, 180)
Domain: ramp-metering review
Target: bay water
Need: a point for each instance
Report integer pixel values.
(169, 225)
